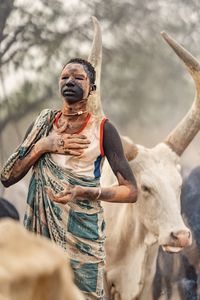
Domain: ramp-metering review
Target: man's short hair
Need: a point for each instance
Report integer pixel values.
(88, 67)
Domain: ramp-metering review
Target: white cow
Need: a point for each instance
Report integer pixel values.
(134, 231)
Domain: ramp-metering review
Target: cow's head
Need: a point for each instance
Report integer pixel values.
(157, 171)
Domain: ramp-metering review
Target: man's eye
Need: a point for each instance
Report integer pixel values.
(64, 77)
(79, 78)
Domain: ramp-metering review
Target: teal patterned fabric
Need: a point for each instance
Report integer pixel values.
(78, 226)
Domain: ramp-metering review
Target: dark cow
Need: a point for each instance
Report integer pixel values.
(180, 273)
(8, 210)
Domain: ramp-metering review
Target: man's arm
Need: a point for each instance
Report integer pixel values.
(125, 192)
(22, 166)
(56, 142)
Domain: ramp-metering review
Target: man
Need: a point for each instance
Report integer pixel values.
(66, 149)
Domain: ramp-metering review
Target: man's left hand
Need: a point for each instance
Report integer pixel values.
(68, 194)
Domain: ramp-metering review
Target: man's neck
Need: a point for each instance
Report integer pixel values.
(75, 109)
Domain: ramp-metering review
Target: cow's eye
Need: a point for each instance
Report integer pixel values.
(146, 189)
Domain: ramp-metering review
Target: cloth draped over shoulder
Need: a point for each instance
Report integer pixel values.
(78, 227)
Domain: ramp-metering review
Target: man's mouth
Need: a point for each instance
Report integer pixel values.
(68, 92)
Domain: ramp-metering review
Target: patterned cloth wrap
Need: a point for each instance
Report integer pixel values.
(78, 226)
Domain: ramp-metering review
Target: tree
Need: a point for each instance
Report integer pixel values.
(31, 36)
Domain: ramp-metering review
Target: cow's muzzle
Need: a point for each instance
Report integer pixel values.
(178, 240)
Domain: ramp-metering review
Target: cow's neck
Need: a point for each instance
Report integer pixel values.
(132, 223)
(138, 242)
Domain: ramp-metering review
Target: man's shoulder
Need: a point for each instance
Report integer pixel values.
(109, 126)
(46, 114)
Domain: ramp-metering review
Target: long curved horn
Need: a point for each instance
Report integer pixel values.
(185, 131)
(95, 58)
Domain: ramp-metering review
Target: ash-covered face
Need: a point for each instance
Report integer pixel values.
(74, 83)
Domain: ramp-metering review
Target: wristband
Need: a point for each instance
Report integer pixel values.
(99, 194)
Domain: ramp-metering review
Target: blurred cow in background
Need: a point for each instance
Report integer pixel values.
(32, 267)
(178, 276)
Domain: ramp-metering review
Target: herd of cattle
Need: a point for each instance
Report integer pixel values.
(149, 248)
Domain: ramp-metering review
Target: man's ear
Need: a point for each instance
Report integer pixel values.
(93, 87)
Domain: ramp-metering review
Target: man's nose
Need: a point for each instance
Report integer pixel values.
(69, 82)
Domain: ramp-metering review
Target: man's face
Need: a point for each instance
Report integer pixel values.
(74, 83)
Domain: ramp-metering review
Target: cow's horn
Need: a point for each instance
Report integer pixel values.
(95, 58)
(184, 132)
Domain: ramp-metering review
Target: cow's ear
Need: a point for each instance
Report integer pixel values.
(130, 149)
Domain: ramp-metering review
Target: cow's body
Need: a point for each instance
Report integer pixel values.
(181, 272)
(135, 231)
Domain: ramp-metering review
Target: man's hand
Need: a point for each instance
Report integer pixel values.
(69, 193)
(63, 143)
